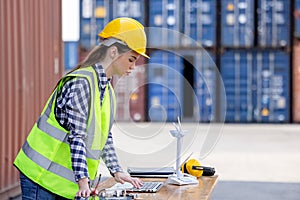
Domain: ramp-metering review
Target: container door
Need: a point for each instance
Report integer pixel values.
(272, 70)
(237, 21)
(165, 86)
(94, 15)
(200, 22)
(205, 86)
(164, 16)
(236, 70)
(274, 23)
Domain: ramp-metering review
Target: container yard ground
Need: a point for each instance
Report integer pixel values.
(255, 161)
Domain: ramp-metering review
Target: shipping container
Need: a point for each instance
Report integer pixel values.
(131, 94)
(237, 74)
(296, 82)
(237, 23)
(164, 23)
(198, 84)
(31, 54)
(257, 85)
(70, 55)
(200, 22)
(297, 18)
(182, 83)
(165, 86)
(274, 23)
(128, 8)
(272, 69)
(94, 15)
(205, 72)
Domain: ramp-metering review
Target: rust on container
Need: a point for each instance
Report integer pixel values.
(31, 64)
(296, 82)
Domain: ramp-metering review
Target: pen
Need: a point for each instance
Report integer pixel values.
(94, 191)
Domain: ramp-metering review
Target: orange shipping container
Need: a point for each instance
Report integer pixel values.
(30, 64)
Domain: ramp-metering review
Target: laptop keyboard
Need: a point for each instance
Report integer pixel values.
(150, 186)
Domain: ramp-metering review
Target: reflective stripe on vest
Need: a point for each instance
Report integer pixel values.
(42, 165)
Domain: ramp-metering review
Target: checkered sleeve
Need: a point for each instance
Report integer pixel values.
(72, 110)
(72, 113)
(109, 156)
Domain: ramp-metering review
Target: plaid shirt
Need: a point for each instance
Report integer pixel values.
(71, 111)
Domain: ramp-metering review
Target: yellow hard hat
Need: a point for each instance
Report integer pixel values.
(129, 31)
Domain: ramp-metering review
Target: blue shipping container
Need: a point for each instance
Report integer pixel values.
(205, 85)
(164, 23)
(70, 55)
(128, 8)
(237, 21)
(272, 85)
(96, 14)
(257, 85)
(199, 22)
(182, 85)
(274, 23)
(236, 70)
(85, 34)
(93, 17)
(165, 86)
(297, 18)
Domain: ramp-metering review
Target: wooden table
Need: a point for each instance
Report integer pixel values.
(201, 191)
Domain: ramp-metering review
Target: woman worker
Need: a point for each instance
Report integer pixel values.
(61, 155)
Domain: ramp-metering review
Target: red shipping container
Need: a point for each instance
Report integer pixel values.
(31, 64)
(296, 82)
(130, 93)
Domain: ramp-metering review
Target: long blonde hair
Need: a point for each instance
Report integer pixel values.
(97, 54)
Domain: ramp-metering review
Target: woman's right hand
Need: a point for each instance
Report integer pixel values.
(84, 189)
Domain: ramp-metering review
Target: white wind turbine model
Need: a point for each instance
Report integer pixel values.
(180, 178)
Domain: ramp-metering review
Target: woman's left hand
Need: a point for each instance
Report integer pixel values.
(122, 177)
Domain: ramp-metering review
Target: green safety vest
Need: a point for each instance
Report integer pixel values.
(45, 156)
